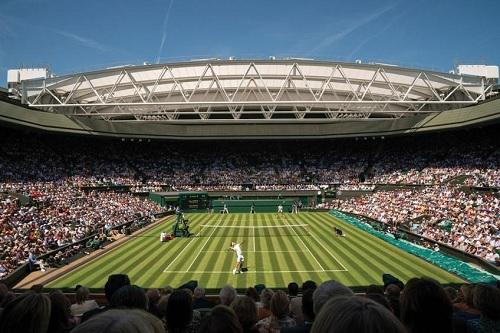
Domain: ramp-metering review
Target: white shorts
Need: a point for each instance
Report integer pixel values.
(240, 258)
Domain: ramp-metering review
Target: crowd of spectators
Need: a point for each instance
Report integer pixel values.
(420, 306)
(147, 166)
(447, 214)
(54, 173)
(57, 216)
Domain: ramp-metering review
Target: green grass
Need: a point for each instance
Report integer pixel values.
(272, 257)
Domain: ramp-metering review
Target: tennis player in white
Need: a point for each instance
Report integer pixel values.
(236, 247)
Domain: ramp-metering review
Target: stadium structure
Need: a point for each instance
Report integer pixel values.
(253, 99)
(192, 121)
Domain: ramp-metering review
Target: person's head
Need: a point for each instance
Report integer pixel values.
(60, 314)
(487, 301)
(27, 313)
(308, 305)
(393, 291)
(293, 289)
(221, 319)
(115, 282)
(82, 294)
(167, 290)
(245, 309)
(132, 297)
(265, 298)
(309, 284)
(162, 306)
(252, 293)
(199, 292)
(345, 314)
(121, 321)
(179, 310)
(153, 295)
(451, 292)
(328, 290)
(425, 307)
(280, 304)
(468, 294)
(227, 295)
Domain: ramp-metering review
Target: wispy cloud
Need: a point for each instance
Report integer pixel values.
(349, 28)
(87, 42)
(164, 35)
(84, 41)
(378, 32)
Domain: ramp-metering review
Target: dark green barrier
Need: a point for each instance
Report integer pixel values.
(261, 206)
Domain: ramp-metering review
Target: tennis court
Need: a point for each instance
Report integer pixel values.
(278, 249)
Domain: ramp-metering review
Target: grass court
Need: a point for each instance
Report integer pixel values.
(278, 249)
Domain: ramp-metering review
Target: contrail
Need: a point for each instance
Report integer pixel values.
(164, 37)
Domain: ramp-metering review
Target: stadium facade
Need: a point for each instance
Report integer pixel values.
(252, 99)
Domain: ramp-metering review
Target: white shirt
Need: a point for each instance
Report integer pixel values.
(237, 249)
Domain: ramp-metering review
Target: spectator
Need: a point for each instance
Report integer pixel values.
(221, 319)
(29, 312)
(279, 317)
(425, 307)
(227, 295)
(61, 320)
(200, 300)
(153, 296)
(487, 301)
(346, 314)
(307, 314)
(180, 317)
(121, 321)
(115, 282)
(83, 303)
(393, 294)
(246, 310)
(132, 297)
(265, 299)
(328, 290)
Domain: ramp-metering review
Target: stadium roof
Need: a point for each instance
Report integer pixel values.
(253, 90)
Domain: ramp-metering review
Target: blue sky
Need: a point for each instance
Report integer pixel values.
(71, 36)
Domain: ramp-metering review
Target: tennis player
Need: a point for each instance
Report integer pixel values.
(236, 247)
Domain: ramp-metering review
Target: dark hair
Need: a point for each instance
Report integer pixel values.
(179, 311)
(253, 294)
(487, 300)
(307, 303)
(425, 307)
(60, 314)
(345, 314)
(132, 297)
(115, 282)
(280, 305)
(309, 285)
(245, 309)
(374, 289)
(27, 313)
(380, 299)
(293, 289)
(221, 319)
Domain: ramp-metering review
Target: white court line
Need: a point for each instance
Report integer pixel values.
(205, 244)
(300, 238)
(230, 272)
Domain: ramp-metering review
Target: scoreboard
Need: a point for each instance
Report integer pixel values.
(193, 200)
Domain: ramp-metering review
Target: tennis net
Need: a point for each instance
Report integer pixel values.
(207, 230)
